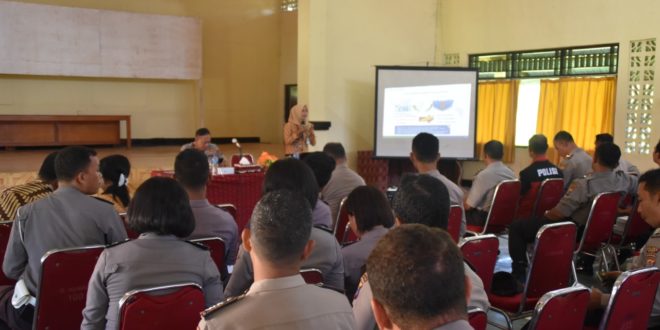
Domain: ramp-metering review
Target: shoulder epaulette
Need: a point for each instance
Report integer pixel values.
(102, 200)
(207, 312)
(198, 245)
(324, 228)
(111, 245)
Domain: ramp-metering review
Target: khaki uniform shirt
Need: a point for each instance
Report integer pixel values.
(282, 303)
(149, 261)
(342, 182)
(14, 197)
(484, 184)
(576, 202)
(575, 166)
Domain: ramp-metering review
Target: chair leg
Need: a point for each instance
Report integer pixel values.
(574, 273)
(614, 255)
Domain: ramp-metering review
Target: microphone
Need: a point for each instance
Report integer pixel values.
(238, 145)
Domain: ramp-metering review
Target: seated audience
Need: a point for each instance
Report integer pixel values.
(14, 197)
(370, 216)
(69, 217)
(192, 171)
(203, 143)
(279, 241)
(576, 163)
(292, 174)
(624, 165)
(161, 214)
(574, 205)
(115, 170)
(434, 295)
(533, 175)
(342, 181)
(322, 166)
(480, 197)
(424, 200)
(425, 156)
(648, 193)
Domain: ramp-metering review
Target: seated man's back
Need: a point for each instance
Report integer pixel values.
(211, 221)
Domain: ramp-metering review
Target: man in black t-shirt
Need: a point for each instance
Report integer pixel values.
(541, 168)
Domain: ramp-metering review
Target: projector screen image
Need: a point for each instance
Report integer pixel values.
(412, 100)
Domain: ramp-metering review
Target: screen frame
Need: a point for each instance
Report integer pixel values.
(425, 68)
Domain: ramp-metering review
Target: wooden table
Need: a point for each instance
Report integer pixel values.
(62, 130)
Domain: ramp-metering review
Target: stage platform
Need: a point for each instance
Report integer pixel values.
(21, 166)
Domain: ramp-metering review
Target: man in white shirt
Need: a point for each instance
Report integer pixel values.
(342, 181)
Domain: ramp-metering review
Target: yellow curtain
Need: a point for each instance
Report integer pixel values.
(583, 107)
(496, 115)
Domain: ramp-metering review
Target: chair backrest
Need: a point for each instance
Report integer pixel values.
(312, 276)
(566, 307)
(503, 209)
(216, 246)
(635, 226)
(235, 159)
(481, 253)
(5, 232)
(62, 292)
(130, 233)
(165, 307)
(454, 223)
(632, 300)
(478, 318)
(551, 265)
(229, 208)
(527, 201)
(342, 230)
(600, 222)
(549, 194)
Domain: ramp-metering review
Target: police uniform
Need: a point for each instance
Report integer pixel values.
(455, 194)
(627, 167)
(456, 325)
(574, 205)
(326, 257)
(342, 182)
(211, 221)
(321, 215)
(149, 261)
(540, 169)
(482, 192)
(576, 165)
(67, 218)
(281, 303)
(355, 256)
(364, 316)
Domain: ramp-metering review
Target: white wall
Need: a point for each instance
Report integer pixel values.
(477, 26)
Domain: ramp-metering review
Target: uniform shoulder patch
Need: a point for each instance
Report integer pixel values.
(111, 245)
(198, 245)
(209, 311)
(102, 200)
(572, 187)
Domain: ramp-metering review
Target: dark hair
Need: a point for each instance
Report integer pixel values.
(191, 169)
(422, 199)
(426, 147)
(651, 180)
(70, 161)
(47, 169)
(202, 131)
(292, 174)
(161, 206)
(112, 167)
(608, 154)
(417, 274)
(370, 207)
(335, 150)
(538, 144)
(657, 148)
(322, 165)
(563, 136)
(494, 149)
(604, 138)
(280, 226)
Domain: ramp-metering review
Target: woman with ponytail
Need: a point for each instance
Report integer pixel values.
(115, 170)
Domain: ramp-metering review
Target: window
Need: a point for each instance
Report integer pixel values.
(529, 93)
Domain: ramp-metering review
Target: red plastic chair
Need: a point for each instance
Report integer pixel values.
(229, 208)
(634, 228)
(218, 252)
(600, 224)
(5, 233)
(312, 276)
(632, 300)
(235, 159)
(477, 318)
(502, 211)
(550, 269)
(566, 308)
(65, 274)
(160, 308)
(527, 201)
(454, 223)
(342, 230)
(550, 192)
(481, 253)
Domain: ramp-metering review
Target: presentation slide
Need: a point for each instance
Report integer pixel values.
(412, 100)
